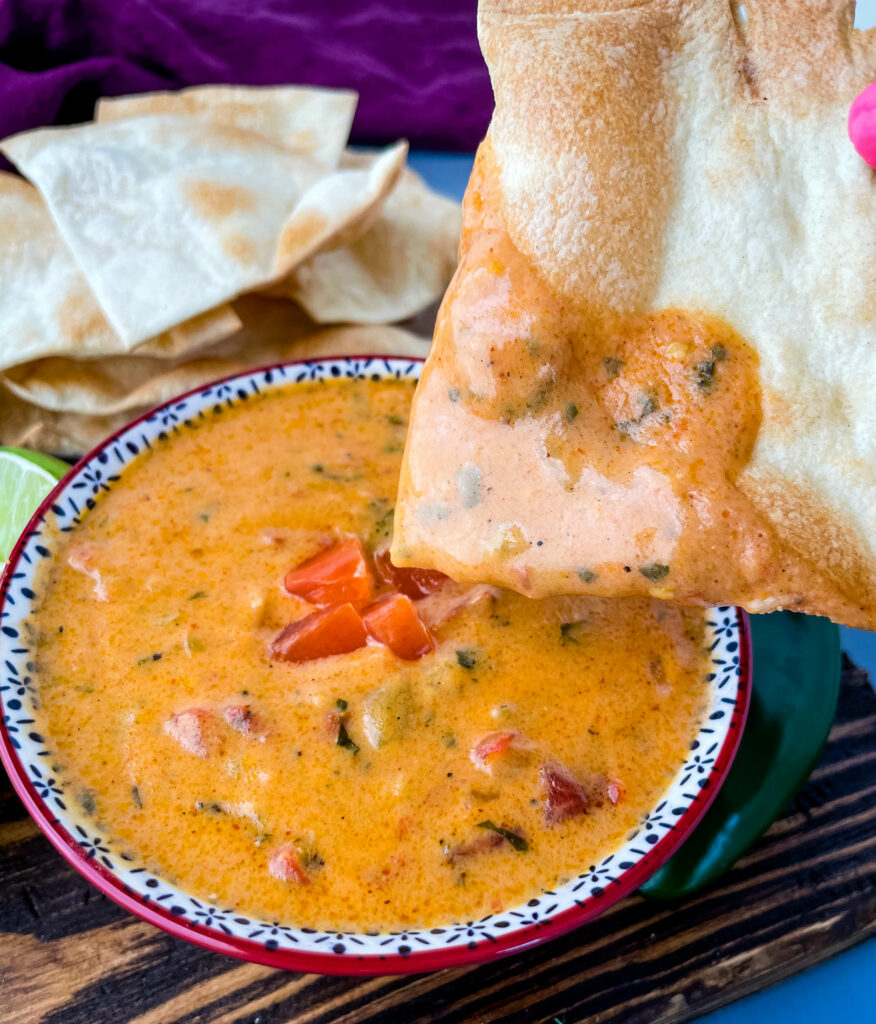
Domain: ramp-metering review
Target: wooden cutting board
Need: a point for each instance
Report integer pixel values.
(806, 891)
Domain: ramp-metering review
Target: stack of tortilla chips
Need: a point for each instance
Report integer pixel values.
(184, 236)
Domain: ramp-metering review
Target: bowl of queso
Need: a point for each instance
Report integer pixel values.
(231, 712)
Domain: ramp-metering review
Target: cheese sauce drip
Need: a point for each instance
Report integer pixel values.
(582, 451)
(357, 791)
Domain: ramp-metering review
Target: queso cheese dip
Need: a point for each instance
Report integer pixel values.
(256, 705)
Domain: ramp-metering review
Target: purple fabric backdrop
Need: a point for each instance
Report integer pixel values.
(415, 63)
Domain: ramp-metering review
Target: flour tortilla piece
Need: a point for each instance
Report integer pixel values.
(46, 306)
(400, 265)
(168, 216)
(269, 323)
(66, 434)
(691, 155)
(268, 331)
(302, 119)
(73, 433)
(117, 384)
(273, 331)
(362, 340)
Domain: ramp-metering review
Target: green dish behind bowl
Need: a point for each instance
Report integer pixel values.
(796, 662)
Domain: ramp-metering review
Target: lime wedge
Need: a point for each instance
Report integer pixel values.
(25, 479)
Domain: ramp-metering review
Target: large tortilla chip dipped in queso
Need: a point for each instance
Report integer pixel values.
(655, 369)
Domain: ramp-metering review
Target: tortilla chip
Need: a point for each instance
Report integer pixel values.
(261, 342)
(191, 335)
(362, 340)
(108, 386)
(46, 306)
(303, 119)
(169, 216)
(273, 331)
(66, 434)
(277, 329)
(652, 371)
(400, 264)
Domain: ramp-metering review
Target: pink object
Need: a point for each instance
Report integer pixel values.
(862, 124)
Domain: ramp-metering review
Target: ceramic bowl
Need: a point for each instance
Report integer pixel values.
(46, 792)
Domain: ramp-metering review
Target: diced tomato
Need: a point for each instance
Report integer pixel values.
(489, 748)
(194, 730)
(331, 725)
(320, 635)
(243, 719)
(615, 791)
(565, 797)
(393, 621)
(337, 575)
(413, 583)
(479, 844)
(285, 865)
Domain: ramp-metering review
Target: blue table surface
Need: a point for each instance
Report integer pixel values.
(840, 990)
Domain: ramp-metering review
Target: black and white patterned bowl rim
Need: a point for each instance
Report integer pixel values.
(694, 785)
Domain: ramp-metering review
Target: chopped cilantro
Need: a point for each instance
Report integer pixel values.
(149, 657)
(649, 404)
(466, 658)
(612, 366)
(654, 571)
(210, 806)
(514, 838)
(704, 375)
(571, 632)
(345, 741)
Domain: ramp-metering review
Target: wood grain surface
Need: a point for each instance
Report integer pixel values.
(807, 890)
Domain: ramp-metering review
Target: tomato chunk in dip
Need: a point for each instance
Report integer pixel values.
(254, 702)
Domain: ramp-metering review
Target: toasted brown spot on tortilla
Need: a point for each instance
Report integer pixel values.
(304, 140)
(214, 201)
(299, 235)
(79, 318)
(240, 248)
(218, 135)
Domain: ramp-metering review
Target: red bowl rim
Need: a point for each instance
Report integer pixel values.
(481, 951)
